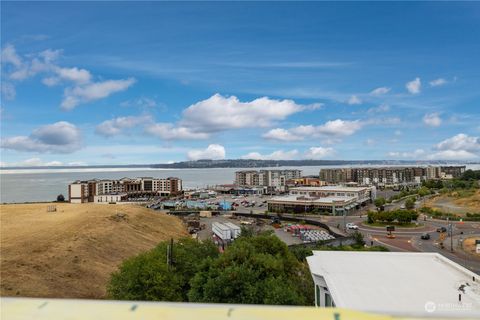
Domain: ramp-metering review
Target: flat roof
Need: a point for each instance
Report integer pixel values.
(332, 188)
(397, 282)
(329, 200)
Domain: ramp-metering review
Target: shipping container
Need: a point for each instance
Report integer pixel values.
(235, 230)
(222, 231)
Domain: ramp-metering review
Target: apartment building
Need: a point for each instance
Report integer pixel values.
(275, 180)
(389, 176)
(118, 190)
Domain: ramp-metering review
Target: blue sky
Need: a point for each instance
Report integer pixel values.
(150, 82)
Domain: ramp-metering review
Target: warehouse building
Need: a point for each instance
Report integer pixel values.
(413, 283)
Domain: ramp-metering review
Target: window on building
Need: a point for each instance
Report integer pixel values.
(328, 300)
(317, 296)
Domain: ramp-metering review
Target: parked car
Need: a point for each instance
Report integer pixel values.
(441, 229)
(425, 236)
(352, 226)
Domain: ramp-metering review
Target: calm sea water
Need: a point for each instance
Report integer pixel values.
(30, 185)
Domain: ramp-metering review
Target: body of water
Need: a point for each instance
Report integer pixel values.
(31, 185)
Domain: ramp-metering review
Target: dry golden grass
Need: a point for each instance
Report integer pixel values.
(456, 203)
(72, 252)
(469, 245)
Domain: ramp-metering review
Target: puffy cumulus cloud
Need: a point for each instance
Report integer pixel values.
(212, 152)
(452, 155)
(219, 113)
(432, 119)
(276, 155)
(118, 125)
(80, 86)
(168, 131)
(438, 82)
(282, 135)
(459, 142)
(458, 147)
(380, 91)
(319, 153)
(60, 137)
(36, 162)
(93, 91)
(333, 129)
(414, 86)
(354, 100)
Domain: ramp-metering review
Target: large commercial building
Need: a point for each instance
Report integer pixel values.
(274, 180)
(119, 190)
(408, 283)
(390, 176)
(333, 199)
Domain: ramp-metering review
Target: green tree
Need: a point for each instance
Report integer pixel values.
(60, 198)
(380, 201)
(148, 277)
(410, 203)
(254, 270)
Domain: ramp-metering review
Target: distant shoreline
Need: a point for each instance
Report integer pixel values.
(239, 163)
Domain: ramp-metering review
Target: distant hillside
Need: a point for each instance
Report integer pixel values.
(241, 163)
(250, 163)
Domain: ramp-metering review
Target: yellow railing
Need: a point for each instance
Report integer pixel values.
(53, 309)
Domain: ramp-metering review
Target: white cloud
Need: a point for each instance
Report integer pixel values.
(276, 155)
(380, 108)
(219, 113)
(319, 153)
(310, 154)
(438, 82)
(212, 152)
(354, 100)
(282, 135)
(417, 154)
(143, 102)
(10, 56)
(380, 91)
(118, 125)
(458, 147)
(432, 119)
(452, 155)
(83, 89)
(168, 131)
(80, 76)
(414, 86)
(460, 141)
(333, 129)
(60, 137)
(93, 91)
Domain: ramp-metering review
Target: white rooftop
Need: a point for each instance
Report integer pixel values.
(306, 200)
(397, 282)
(331, 188)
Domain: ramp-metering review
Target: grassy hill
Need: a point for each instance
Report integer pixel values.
(70, 253)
